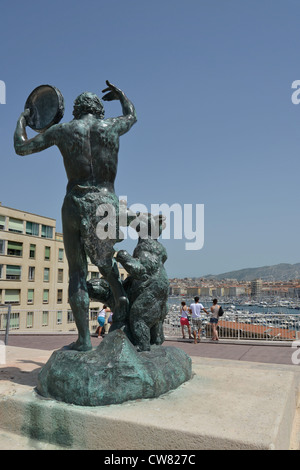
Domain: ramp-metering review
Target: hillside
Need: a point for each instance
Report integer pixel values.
(278, 272)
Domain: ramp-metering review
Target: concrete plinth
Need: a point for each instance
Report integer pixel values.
(226, 405)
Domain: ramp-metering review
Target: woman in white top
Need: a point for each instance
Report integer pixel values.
(184, 320)
(214, 319)
(101, 320)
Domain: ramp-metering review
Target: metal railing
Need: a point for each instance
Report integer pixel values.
(233, 325)
(242, 326)
(15, 320)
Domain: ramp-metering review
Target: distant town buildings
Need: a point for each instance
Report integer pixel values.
(190, 287)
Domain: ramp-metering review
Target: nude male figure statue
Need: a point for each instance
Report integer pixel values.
(89, 145)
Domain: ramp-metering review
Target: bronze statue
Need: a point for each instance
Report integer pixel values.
(146, 287)
(89, 145)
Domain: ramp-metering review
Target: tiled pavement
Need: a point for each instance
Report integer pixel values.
(252, 352)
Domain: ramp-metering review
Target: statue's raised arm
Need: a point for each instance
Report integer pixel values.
(23, 145)
(44, 108)
(121, 124)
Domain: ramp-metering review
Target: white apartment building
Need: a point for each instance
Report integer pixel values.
(34, 275)
(256, 287)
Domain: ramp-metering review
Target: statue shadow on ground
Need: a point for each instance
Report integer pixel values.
(20, 376)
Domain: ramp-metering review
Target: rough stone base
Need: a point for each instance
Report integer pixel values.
(113, 373)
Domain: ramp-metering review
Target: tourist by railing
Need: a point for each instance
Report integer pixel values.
(241, 326)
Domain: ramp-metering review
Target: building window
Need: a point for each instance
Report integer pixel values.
(2, 247)
(30, 296)
(29, 320)
(14, 322)
(59, 296)
(47, 232)
(47, 253)
(46, 274)
(2, 222)
(15, 225)
(1, 270)
(95, 275)
(59, 317)
(31, 273)
(32, 251)
(60, 254)
(12, 296)
(45, 318)
(70, 318)
(94, 313)
(13, 272)
(46, 296)
(32, 229)
(3, 318)
(60, 275)
(14, 248)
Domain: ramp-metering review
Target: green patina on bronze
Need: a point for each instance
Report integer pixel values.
(89, 145)
(113, 373)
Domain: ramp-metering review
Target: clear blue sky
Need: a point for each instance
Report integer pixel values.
(211, 82)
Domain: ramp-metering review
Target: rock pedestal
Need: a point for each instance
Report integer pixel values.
(113, 373)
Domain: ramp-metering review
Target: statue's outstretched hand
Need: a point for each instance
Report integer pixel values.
(25, 115)
(122, 255)
(113, 92)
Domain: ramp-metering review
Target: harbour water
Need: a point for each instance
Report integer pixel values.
(286, 307)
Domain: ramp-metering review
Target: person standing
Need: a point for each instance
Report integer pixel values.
(101, 320)
(196, 309)
(184, 321)
(108, 320)
(214, 319)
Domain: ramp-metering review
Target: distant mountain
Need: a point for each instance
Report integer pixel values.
(279, 272)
